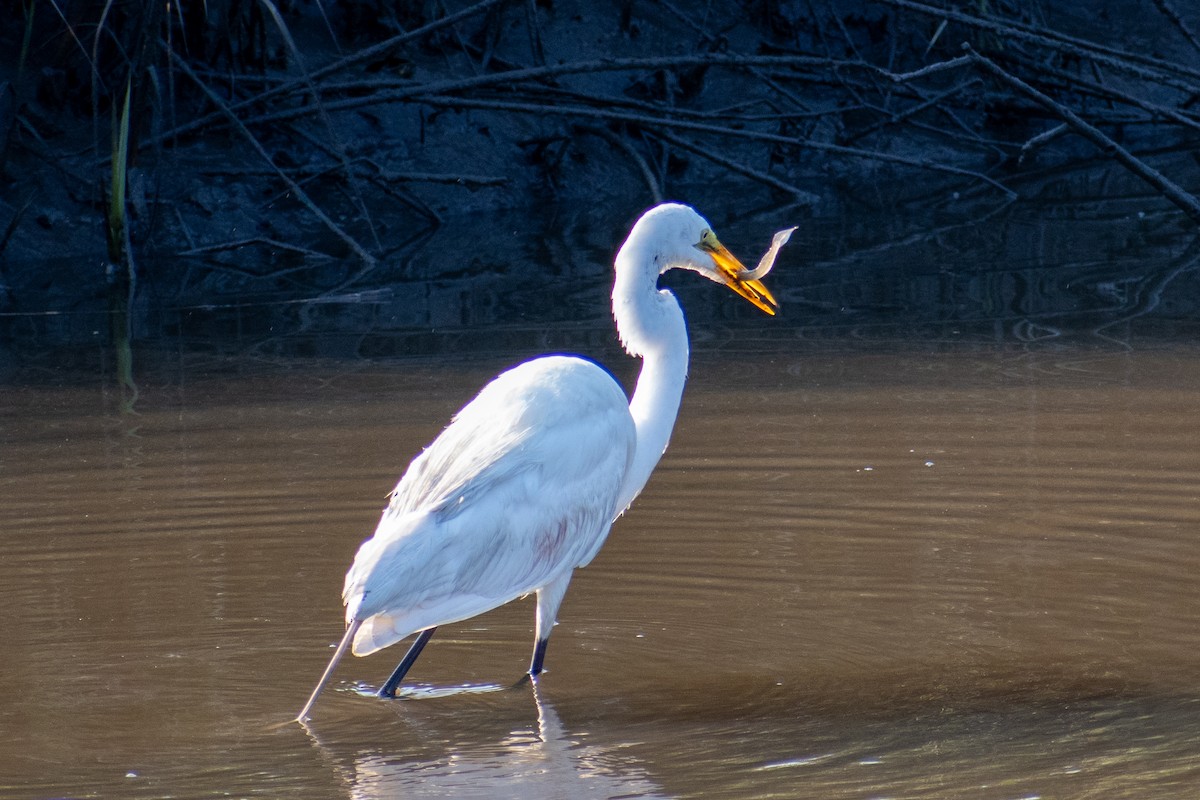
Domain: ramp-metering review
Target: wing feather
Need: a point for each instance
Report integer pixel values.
(521, 487)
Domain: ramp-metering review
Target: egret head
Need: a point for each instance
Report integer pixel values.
(684, 240)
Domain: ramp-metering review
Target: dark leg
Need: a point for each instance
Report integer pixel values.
(410, 658)
(539, 655)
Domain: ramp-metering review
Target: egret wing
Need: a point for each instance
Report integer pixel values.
(521, 487)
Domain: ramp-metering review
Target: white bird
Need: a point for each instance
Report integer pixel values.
(524, 484)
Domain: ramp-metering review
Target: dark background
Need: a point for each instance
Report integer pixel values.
(338, 174)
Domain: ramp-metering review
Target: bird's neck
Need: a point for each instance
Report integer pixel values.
(651, 325)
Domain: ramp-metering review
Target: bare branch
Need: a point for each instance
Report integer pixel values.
(799, 195)
(336, 147)
(1176, 20)
(254, 241)
(301, 195)
(1134, 63)
(1172, 191)
(354, 59)
(1041, 139)
(652, 182)
(734, 133)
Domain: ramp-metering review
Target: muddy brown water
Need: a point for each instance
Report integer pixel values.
(918, 571)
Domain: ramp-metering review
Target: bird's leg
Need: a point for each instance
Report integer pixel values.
(389, 689)
(539, 655)
(548, 599)
(535, 666)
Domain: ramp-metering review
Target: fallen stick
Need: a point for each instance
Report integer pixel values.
(301, 195)
(335, 147)
(798, 194)
(385, 174)
(261, 241)
(1169, 189)
(1109, 93)
(734, 133)
(509, 79)
(652, 182)
(1176, 20)
(353, 59)
(1147, 67)
(896, 117)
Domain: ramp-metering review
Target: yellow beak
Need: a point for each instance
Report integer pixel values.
(730, 268)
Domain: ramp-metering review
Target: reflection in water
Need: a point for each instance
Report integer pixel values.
(537, 758)
(1029, 273)
(1148, 290)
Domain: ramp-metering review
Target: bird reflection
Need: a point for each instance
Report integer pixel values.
(540, 759)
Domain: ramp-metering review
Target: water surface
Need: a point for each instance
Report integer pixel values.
(929, 534)
(937, 569)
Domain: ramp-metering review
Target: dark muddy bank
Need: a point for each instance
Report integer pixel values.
(287, 159)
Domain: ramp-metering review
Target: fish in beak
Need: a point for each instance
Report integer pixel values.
(731, 272)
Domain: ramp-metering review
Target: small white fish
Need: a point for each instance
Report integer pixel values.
(768, 260)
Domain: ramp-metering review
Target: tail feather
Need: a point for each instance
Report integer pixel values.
(376, 633)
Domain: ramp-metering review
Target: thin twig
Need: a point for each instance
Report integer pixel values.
(1041, 139)
(1134, 63)
(918, 237)
(535, 32)
(442, 177)
(256, 240)
(308, 173)
(652, 181)
(896, 117)
(359, 57)
(11, 227)
(510, 78)
(183, 226)
(407, 198)
(386, 181)
(336, 147)
(932, 69)
(799, 195)
(1077, 82)
(1176, 20)
(782, 91)
(510, 90)
(539, 93)
(735, 133)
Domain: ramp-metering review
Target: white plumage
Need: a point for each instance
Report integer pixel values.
(523, 485)
(520, 489)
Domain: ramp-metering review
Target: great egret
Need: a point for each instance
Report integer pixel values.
(524, 484)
